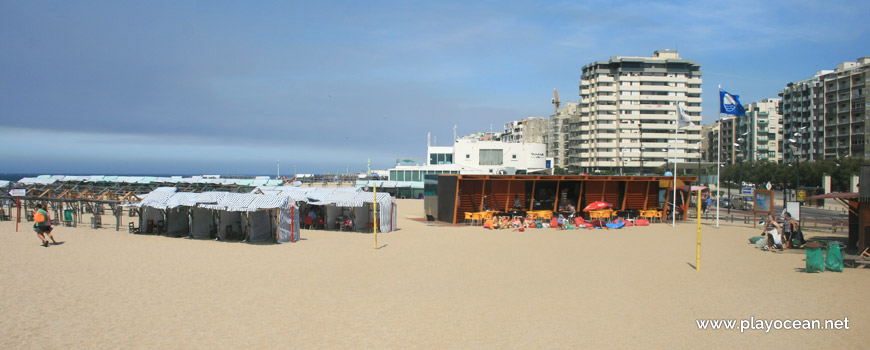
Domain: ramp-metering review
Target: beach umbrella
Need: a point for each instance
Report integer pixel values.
(598, 205)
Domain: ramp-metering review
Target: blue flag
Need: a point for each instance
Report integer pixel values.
(730, 104)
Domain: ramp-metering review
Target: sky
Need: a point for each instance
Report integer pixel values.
(235, 87)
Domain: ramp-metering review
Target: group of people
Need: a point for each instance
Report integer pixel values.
(782, 236)
(42, 225)
(560, 221)
(312, 218)
(504, 221)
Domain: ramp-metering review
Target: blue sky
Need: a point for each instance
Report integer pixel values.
(233, 87)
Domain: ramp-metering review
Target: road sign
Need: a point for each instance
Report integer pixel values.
(768, 186)
(802, 195)
(18, 192)
(746, 191)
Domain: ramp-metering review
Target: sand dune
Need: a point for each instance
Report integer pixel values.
(427, 287)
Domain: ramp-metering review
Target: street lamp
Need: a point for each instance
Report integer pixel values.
(793, 143)
(620, 163)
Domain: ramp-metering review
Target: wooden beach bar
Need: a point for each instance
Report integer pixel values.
(458, 197)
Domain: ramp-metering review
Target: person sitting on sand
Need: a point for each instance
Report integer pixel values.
(791, 230)
(772, 229)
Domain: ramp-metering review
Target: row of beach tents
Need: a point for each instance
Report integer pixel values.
(268, 213)
(215, 180)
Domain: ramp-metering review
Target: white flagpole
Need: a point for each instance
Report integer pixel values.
(719, 161)
(674, 206)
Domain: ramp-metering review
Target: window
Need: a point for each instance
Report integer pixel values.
(513, 156)
(491, 157)
(467, 156)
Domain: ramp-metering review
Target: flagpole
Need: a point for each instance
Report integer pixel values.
(719, 160)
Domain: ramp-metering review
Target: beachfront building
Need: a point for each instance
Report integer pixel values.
(824, 116)
(710, 141)
(530, 130)
(558, 132)
(470, 156)
(754, 137)
(454, 197)
(628, 111)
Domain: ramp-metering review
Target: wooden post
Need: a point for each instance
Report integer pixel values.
(18, 218)
(624, 195)
(483, 194)
(532, 202)
(556, 202)
(456, 200)
(603, 191)
(508, 200)
(580, 196)
(646, 195)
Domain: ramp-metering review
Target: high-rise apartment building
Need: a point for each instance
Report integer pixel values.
(754, 137)
(710, 141)
(824, 117)
(628, 114)
(556, 137)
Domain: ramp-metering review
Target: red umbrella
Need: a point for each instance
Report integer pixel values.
(597, 206)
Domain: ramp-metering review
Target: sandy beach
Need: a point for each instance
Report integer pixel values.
(426, 287)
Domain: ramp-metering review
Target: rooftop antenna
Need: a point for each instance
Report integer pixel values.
(279, 169)
(454, 133)
(429, 139)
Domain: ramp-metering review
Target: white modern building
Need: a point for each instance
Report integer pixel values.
(628, 114)
(470, 157)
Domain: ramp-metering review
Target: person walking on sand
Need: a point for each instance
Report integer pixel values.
(40, 223)
(48, 227)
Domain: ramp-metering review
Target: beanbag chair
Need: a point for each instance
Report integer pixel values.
(554, 222)
(641, 222)
(756, 239)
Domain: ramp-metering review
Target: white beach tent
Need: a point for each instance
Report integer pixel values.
(254, 217)
(338, 201)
